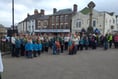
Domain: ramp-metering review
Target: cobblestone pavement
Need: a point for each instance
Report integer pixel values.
(87, 64)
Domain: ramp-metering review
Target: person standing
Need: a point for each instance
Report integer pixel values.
(39, 47)
(29, 48)
(35, 49)
(1, 66)
(86, 42)
(110, 39)
(76, 43)
(106, 42)
(17, 46)
(13, 39)
(66, 39)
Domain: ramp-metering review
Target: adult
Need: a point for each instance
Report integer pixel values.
(13, 39)
(1, 66)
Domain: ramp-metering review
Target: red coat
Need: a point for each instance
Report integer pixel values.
(116, 38)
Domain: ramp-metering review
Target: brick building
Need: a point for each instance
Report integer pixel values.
(3, 30)
(59, 21)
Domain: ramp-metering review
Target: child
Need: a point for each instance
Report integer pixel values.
(35, 49)
(29, 48)
(39, 47)
(70, 47)
(58, 46)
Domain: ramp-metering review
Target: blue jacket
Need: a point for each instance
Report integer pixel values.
(17, 43)
(53, 46)
(46, 44)
(40, 46)
(86, 42)
(35, 47)
(70, 43)
(81, 41)
(23, 42)
(29, 47)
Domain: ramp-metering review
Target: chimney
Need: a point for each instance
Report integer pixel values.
(75, 8)
(36, 12)
(42, 12)
(54, 10)
(28, 14)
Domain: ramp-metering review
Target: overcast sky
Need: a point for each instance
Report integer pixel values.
(22, 7)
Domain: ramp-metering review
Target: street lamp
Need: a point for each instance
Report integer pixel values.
(13, 15)
(91, 5)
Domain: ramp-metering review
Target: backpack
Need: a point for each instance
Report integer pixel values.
(57, 44)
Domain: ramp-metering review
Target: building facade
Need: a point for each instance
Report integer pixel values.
(29, 24)
(103, 21)
(3, 30)
(68, 20)
(59, 21)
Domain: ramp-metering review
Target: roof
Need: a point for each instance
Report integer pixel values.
(64, 11)
(43, 17)
(32, 17)
(38, 16)
(111, 13)
(85, 11)
(1, 25)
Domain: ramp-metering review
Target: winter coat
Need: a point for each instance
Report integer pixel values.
(29, 46)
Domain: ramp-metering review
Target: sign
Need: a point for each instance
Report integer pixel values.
(53, 30)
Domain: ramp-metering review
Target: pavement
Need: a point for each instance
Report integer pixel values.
(86, 64)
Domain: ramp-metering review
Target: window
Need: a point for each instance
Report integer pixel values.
(94, 23)
(39, 23)
(57, 26)
(32, 27)
(53, 26)
(52, 19)
(61, 26)
(78, 24)
(57, 19)
(45, 23)
(112, 27)
(109, 21)
(66, 18)
(66, 26)
(113, 21)
(62, 19)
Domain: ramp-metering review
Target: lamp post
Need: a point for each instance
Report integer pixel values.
(13, 15)
(91, 5)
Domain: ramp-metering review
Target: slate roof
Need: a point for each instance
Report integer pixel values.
(38, 16)
(45, 17)
(1, 25)
(85, 11)
(64, 11)
(32, 17)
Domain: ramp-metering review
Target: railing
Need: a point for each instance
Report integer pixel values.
(5, 46)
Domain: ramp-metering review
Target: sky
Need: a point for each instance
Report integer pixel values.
(22, 7)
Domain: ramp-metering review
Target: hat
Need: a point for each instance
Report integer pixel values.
(94, 35)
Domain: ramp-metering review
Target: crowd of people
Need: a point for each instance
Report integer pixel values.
(33, 45)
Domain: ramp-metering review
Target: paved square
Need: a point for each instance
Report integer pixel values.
(86, 64)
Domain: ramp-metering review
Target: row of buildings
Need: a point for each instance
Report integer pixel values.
(68, 20)
(3, 30)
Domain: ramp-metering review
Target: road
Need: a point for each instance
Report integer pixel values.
(86, 64)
